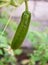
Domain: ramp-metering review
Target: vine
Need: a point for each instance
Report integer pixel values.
(7, 24)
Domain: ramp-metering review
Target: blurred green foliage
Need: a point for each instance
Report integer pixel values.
(14, 3)
(5, 48)
(39, 41)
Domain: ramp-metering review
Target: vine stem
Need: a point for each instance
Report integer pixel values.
(26, 5)
(7, 24)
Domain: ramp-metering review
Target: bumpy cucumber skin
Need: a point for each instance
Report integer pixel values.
(22, 30)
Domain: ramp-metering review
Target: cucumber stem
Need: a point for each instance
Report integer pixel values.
(26, 5)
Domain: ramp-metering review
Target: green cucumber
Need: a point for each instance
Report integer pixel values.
(22, 30)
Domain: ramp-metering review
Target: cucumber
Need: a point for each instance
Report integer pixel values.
(22, 30)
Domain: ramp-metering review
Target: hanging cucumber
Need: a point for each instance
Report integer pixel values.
(22, 29)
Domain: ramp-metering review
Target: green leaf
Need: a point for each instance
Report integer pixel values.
(37, 55)
(43, 62)
(32, 60)
(18, 51)
(34, 37)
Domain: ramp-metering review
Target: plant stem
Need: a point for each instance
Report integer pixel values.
(6, 25)
(26, 5)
